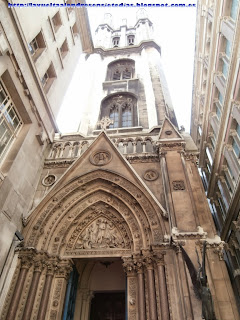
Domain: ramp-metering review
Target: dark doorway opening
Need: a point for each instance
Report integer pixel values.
(108, 306)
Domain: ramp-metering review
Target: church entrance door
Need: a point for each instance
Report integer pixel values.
(108, 306)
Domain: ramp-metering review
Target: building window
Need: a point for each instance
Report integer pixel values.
(236, 141)
(116, 41)
(228, 48)
(48, 78)
(120, 70)
(220, 98)
(222, 208)
(10, 121)
(117, 75)
(37, 46)
(225, 69)
(238, 130)
(69, 3)
(64, 49)
(126, 74)
(236, 148)
(234, 9)
(130, 40)
(121, 109)
(218, 111)
(126, 116)
(114, 117)
(56, 21)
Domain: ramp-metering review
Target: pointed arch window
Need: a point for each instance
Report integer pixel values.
(114, 116)
(116, 75)
(126, 116)
(127, 74)
(121, 109)
(131, 39)
(116, 41)
(121, 70)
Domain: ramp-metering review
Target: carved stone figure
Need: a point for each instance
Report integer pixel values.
(105, 122)
(100, 158)
(150, 175)
(49, 180)
(178, 185)
(100, 234)
(199, 281)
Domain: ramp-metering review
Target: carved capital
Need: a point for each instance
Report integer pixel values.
(64, 270)
(128, 266)
(51, 267)
(38, 266)
(159, 258)
(148, 261)
(26, 261)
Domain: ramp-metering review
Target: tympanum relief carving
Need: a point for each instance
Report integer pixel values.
(100, 234)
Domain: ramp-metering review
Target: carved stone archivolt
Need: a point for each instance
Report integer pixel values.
(67, 219)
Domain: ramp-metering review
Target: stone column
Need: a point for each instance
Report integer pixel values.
(70, 152)
(46, 291)
(60, 153)
(152, 303)
(26, 262)
(59, 286)
(163, 296)
(88, 304)
(129, 269)
(134, 147)
(33, 289)
(84, 303)
(125, 144)
(144, 146)
(141, 290)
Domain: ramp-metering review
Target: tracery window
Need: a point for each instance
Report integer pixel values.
(114, 117)
(126, 116)
(121, 109)
(120, 70)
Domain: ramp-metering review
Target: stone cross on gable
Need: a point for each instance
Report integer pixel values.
(105, 122)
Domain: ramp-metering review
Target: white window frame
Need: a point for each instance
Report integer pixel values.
(8, 113)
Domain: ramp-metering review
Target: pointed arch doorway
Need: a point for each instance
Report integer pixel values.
(96, 290)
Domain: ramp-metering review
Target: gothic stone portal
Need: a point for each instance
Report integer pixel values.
(101, 289)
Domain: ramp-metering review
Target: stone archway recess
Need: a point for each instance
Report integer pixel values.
(99, 214)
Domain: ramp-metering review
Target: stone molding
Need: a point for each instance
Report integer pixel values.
(79, 200)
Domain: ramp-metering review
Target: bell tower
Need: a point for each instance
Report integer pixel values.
(130, 71)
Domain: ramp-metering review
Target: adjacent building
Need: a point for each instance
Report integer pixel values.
(215, 124)
(39, 50)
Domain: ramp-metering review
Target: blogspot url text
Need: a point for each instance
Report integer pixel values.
(123, 4)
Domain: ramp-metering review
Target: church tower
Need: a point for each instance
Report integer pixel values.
(120, 223)
(127, 67)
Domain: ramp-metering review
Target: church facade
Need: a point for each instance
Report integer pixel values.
(120, 218)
